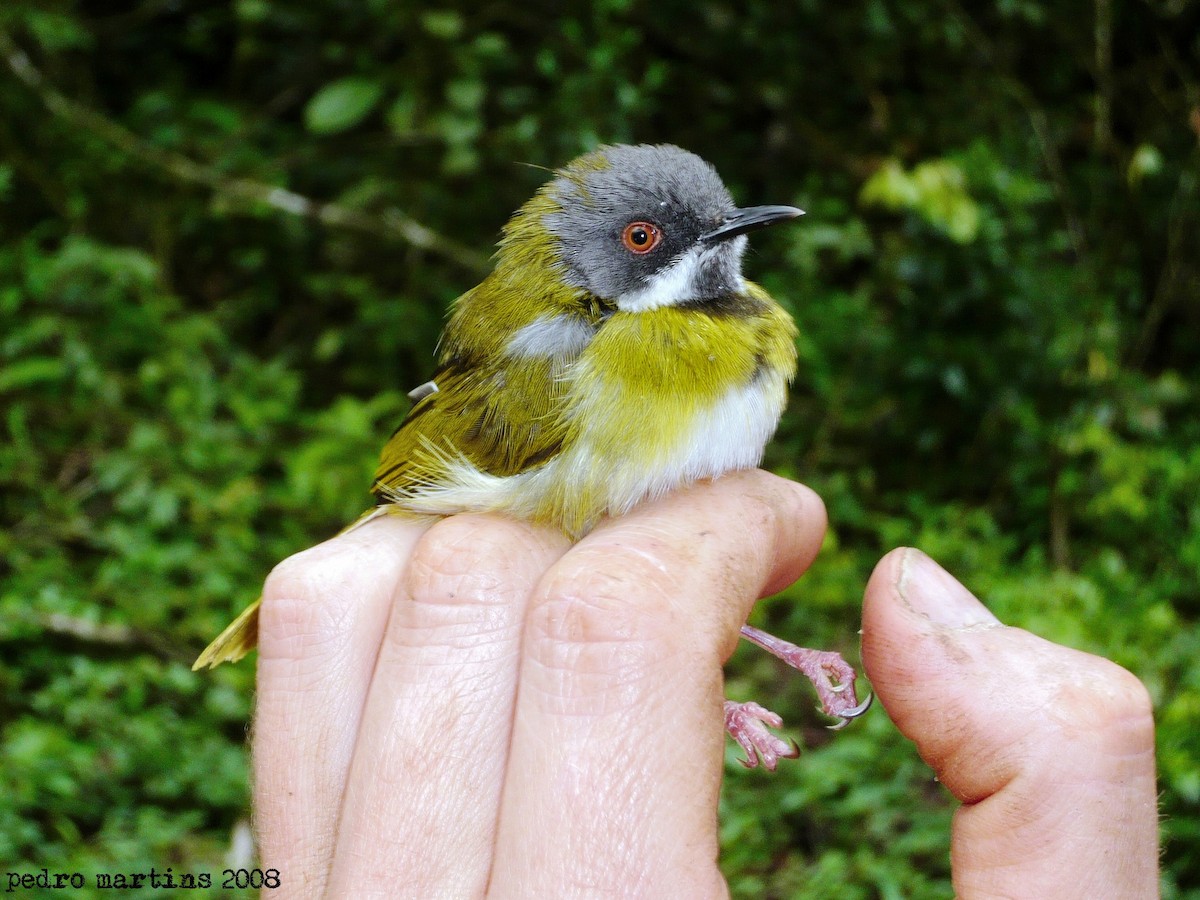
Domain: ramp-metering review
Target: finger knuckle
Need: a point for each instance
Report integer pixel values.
(1109, 707)
(471, 560)
(1124, 711)
(304, 603)
(609, 616)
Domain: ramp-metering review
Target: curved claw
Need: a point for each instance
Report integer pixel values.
(856, 711)
(845, 717)
(769, 763)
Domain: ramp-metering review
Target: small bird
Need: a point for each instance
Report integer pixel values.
(614, 353)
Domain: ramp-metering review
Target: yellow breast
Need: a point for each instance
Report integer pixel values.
(664, 398)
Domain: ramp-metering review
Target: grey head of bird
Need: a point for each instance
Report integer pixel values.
(649, 226)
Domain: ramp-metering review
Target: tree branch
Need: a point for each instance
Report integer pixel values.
(107, 638)
(1103, 32)
(393, 224)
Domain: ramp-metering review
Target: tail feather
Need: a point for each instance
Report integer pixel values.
(241, 635)
(239, 638)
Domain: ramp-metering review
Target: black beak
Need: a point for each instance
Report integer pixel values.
(742, 220)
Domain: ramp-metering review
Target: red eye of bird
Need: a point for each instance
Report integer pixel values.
(641, 237)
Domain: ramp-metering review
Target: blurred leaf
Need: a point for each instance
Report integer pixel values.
(342, 104)
(890, 187)
(1145, 162)
(936, 189)
(446, 24)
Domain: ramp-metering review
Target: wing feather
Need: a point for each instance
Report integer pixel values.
(499, 421)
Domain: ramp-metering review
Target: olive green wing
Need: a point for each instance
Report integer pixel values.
(503, 420)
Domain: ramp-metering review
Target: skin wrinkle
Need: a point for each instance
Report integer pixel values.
(488, 630)
(585, 799)
(300, 625)
(995, 771)
(602, 702)
(294, 672)
(620, 790)
(419, 755)
(1031, 804)
(1080, 709)
(610, 618)
(459, 593)
(1052, 772)
(725, 582)
(607, 628)
(424, 751)
(466, 554)
(649, 553)
(461, 628)
(585, 684)
(1077, 712)
(642, 541)
(592, 603)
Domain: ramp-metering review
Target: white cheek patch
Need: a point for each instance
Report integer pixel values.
(677, 283)
(563, 337)
(672, 285)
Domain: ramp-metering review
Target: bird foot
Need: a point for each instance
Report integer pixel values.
(831, 675)
(748, 723)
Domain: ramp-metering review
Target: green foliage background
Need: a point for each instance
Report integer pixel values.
(228, 233)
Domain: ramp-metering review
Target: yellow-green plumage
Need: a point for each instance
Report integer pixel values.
(634, 398)
(559, 401)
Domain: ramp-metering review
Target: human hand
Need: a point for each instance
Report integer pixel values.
(1050, 750)
(394, 755)
(474, 706)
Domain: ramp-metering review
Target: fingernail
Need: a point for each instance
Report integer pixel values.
(931, 591)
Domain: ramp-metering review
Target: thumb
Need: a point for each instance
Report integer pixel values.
(1050, 750)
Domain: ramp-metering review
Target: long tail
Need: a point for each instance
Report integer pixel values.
(241, 635)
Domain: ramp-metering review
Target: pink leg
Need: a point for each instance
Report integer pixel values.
(831, 675)
(747, 724)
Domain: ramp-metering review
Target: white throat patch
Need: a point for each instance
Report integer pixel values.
(674, 284)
